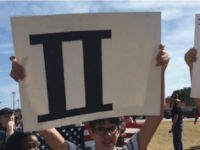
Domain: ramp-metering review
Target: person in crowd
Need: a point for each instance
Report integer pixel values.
(134, 119)
(6, 125)
(106, 132)
(121, 139)
(7, 130)
(177, 122)
(18, 125)
(22, 141)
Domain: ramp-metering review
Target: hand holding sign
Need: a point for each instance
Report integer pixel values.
(191, 57)
(162, 60)
(17, 71)
(96, 67)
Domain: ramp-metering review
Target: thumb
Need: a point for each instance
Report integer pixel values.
(13, 59)
(161, 47)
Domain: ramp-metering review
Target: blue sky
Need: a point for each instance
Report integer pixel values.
(178, 23)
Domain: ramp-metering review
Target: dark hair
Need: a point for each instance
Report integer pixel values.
(174, 96)
(16, 139)
(120, 141)
(116, 121)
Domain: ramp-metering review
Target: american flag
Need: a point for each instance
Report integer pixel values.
(70, 133)
(80, 136)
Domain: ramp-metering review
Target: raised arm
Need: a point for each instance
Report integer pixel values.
(51, 136)
(152, 122)
(190, 58)
(54, 139)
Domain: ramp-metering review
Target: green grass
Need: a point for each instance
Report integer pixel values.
(162, 140)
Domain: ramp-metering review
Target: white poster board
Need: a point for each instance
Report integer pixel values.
(195, 90)
(82, 67)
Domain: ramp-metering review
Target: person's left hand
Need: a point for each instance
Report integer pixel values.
(162, 58)
(170, 131)
(17, 71)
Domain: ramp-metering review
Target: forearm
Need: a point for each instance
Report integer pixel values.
(54, 139)
(174, 123)
(162, 101)
(196, 100)
(191, 69)
(152, 122)
(162, 107)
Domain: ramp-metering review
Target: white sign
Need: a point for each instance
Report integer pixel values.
(195, 91)
(82, 67)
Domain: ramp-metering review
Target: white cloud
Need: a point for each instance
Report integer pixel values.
(171, 14)
(177, 26)
(182, 35)
(7, 89)
(4, 70)
(4, 78)
(177, 74)
(142, 5)
(5, 67)
(6, 95)
(6, 49)
(170, 10)
(8, 45)
(7, 52)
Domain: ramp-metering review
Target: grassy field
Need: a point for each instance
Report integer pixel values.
(162, 140)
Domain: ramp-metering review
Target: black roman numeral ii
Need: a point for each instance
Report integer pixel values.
(53, 58)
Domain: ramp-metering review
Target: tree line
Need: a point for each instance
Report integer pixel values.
(184, 96)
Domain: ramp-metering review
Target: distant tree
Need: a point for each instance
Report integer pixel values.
(168, 99)
(184, 96)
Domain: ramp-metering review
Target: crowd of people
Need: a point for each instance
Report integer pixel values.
(105, 132)
(11, 131)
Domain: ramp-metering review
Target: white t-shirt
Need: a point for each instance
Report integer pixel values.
(133, 144)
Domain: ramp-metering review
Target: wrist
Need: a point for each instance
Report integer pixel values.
(45, 132)
(10, 131)
(191, 68)
(163, 73)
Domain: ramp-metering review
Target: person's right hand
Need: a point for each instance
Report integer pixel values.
(17, 71)
(10, 125)
(190, 57)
